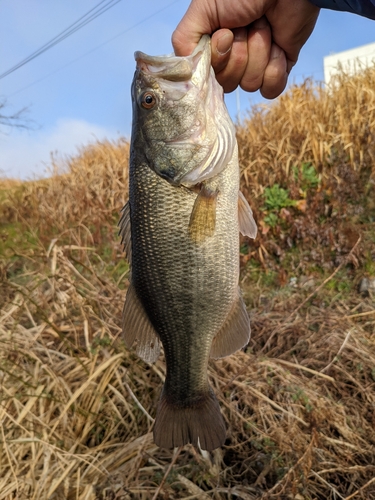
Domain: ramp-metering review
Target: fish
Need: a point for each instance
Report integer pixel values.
(180, 232)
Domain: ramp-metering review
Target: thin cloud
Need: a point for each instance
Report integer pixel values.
(33, 159)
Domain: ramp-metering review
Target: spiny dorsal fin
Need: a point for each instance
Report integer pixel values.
(203, 216)
(246, 220)
(137, 326)
(125, 231)
(235, 332)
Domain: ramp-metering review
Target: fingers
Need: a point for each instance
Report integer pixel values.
(259, 56)
(221, 48)
(275, 75)
(199, 19)
(234, 62)
(252, 61)
(259, 41)
(244, 56)
(184, 46)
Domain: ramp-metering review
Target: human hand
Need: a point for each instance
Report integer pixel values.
(254, 44)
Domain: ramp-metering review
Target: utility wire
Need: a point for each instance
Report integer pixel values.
(77, 25)
(96, 48)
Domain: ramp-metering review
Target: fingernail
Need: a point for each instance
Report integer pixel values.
(224, 44)
(275, 51)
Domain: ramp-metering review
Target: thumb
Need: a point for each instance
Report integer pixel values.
(197, 21)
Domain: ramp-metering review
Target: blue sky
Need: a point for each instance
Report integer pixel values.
(79, 90)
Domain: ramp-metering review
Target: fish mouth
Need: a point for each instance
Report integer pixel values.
(194, 68)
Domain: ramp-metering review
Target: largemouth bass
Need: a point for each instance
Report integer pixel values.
(180, 231)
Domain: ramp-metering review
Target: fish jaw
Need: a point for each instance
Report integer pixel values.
(188, 135)
(195, 67)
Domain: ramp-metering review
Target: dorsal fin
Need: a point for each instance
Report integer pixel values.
(246, 220)
(136, 326)
(125, 231)
(235, 332)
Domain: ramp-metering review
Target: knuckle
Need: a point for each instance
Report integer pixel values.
(239, 60)
(228, 84)
(219, 62)
(273, 88)
(230, 87)
(275, 72)
(251, 83)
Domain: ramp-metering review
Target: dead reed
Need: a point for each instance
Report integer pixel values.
(77, 408)
(89, 192)
(332, 129)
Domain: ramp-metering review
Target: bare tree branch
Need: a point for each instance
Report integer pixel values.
(16, 119)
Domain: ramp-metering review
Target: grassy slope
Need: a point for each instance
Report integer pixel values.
(76, 406)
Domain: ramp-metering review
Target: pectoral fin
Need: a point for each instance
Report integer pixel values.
(246, 220)
(203, 216)
(136, 326)
(235, 332)
(125, 231)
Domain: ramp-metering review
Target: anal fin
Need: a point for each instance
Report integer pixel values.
(246, 220)
(203, 216)
(136, 326)
(235, 332)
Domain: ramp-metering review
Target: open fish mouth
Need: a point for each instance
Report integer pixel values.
(177, 69)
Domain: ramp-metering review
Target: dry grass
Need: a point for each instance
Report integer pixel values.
(333, 130)
(77, 408)
(88, 195)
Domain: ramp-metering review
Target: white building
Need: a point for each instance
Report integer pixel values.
(351, 61)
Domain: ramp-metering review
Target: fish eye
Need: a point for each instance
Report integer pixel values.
(148, 100)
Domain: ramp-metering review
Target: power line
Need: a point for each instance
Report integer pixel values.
(96, 48)
(77, 25)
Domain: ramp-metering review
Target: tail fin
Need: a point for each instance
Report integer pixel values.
(176, 425)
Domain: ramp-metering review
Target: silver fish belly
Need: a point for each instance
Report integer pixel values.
(180, 231)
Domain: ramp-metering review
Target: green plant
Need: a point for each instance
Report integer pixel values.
(307, 175)
(271, 219)
(276, 198)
